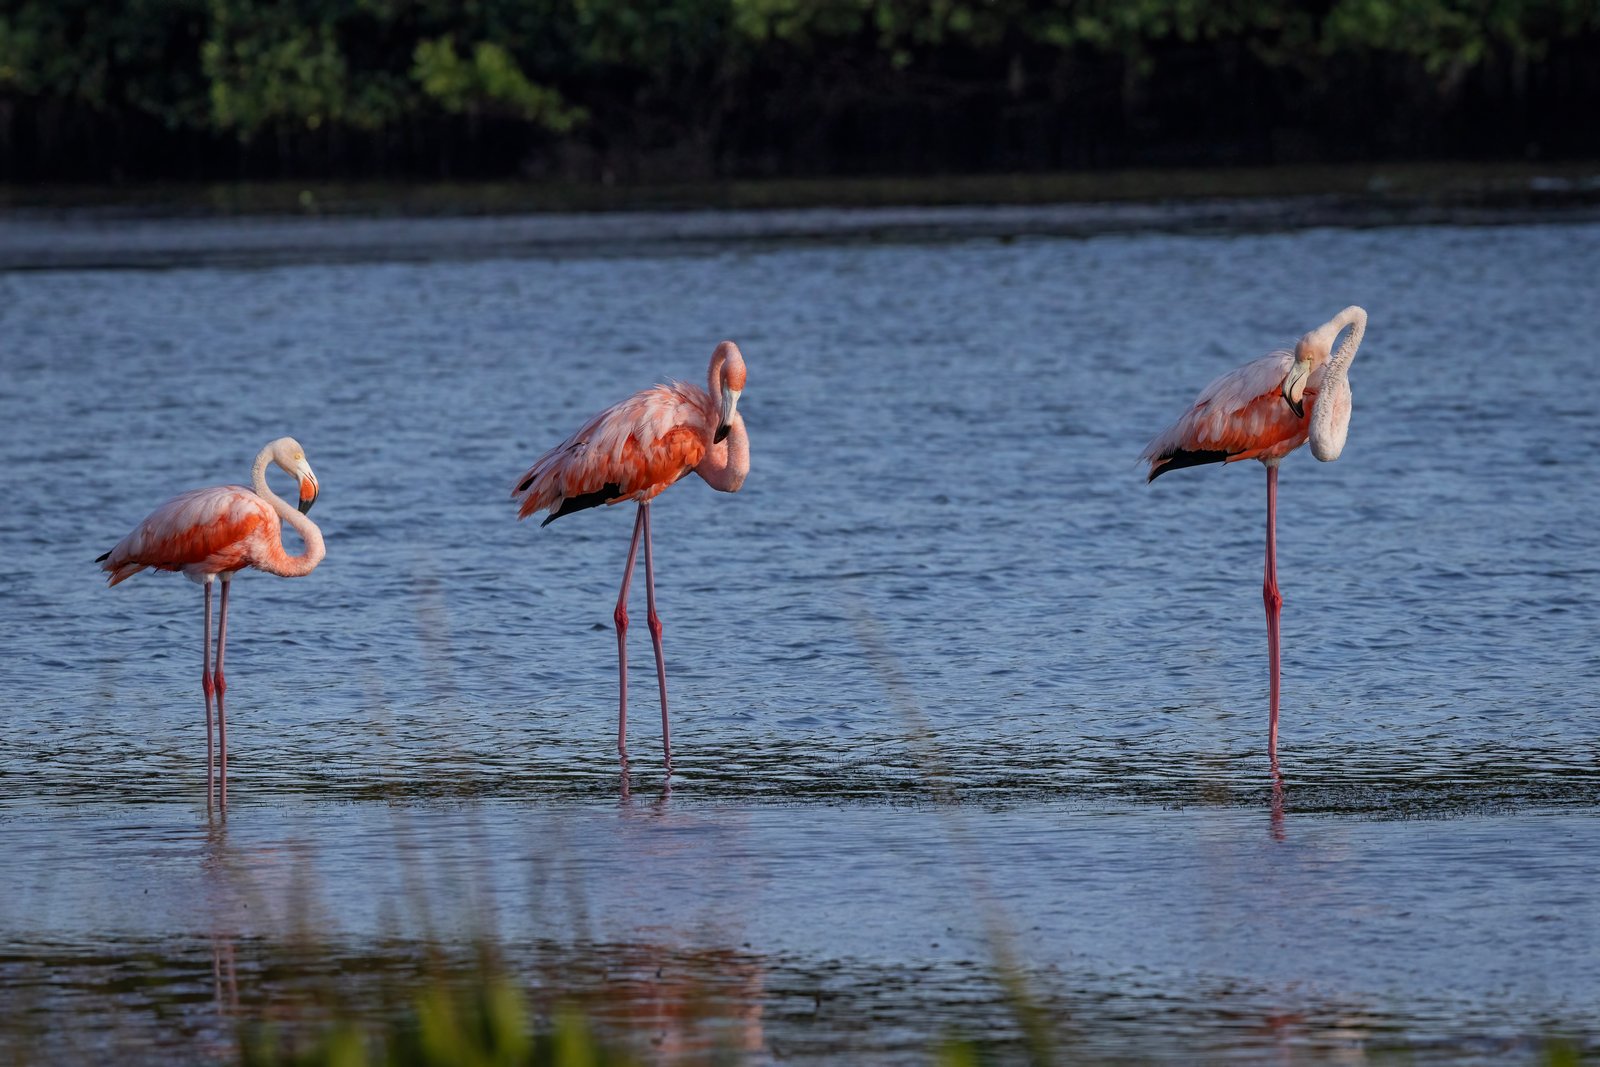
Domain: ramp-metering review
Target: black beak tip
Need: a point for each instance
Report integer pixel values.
(720, 435)
(1296, 406)
(305, 504)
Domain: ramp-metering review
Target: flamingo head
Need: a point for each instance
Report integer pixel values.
(287, 453)
(727, 381)
(1310, 352)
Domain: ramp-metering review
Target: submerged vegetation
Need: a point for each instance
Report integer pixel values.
(675, 89)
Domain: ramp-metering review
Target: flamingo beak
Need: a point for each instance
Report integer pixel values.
(308, 491)
(1294, 387)
(730, 402)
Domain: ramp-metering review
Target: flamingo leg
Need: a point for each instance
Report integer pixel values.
(222, 687)
(621, 617)
(654, 621)
(1273, 600)
(208, 686)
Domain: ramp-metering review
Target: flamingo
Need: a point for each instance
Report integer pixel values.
(633, 450)
(1258, 412)
(214, 533)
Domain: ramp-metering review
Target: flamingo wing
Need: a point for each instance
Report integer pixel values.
(201, 532)
(1241, 415)
(631, 451)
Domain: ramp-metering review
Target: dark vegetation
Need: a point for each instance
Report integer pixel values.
(675, 90)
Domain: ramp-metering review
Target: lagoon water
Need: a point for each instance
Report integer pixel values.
(952, 688)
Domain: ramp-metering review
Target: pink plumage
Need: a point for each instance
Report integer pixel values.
(214, 533)
(632, 451)
(204, 532)
(1264, 410)
(1241, 415)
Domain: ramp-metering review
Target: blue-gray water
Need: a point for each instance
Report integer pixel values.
(948, 679)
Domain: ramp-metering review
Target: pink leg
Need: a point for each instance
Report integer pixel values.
(208, 686)
(621, 617)
(222, 687)
(655, 634)
(1274, 603)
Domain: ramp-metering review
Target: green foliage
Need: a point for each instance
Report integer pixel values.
(254, 67)
(1440, 32)
(955, 1053)
(1450, 36)
(268, 65)
(490, 79)
(138, 53)
(652, 37)
(1561, 1052)
(485, 1024)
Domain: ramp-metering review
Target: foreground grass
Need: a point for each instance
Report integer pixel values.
(487, 1026)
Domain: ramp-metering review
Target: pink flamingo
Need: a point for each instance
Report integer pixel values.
(1258, 412)
(632, 451)
(215, 533)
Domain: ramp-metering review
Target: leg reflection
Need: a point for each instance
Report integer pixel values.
(1278, 833)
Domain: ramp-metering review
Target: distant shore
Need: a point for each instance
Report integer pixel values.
(1453, 187)
(168, 226)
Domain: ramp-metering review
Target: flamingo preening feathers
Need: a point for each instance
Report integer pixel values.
(1259, 412)
(215, 533)
(633, 450)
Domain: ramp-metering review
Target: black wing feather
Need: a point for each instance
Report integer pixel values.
(604, 495)
(1185, 457)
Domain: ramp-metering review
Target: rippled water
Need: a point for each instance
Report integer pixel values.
(949, 680)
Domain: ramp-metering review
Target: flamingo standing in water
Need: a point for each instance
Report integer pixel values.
(1258, 412)
(632, 451)
(215, 533)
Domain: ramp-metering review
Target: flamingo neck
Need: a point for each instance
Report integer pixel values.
(1331, 416)
(714, 378)
(728, 461)
(1338, 365)
(280, 562)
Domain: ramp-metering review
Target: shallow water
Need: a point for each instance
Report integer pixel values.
(948, 680)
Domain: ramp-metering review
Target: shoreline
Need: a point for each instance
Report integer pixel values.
(279, 225)
(1455, 182)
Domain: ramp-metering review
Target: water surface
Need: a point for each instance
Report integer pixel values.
(948, 679)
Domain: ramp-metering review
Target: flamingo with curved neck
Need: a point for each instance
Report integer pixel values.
(634, 450)
(1258, 412)
(1330, 421)
(215, 532)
